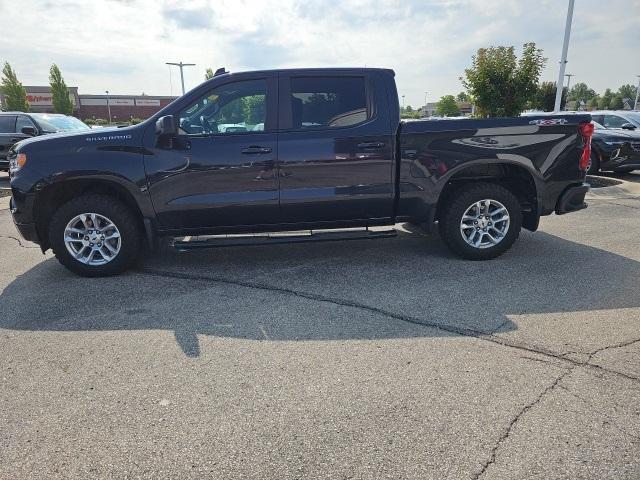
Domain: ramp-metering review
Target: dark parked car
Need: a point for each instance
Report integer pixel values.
(16, 126)
(614, 150)
(307, 149)
(617, 119)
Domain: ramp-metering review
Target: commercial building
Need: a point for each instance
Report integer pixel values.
(121, 107)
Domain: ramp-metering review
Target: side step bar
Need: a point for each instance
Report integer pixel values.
(279, 238)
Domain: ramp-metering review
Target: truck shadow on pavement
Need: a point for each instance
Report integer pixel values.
(405, 287)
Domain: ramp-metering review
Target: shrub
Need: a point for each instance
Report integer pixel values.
(89, 121)
(100, 121)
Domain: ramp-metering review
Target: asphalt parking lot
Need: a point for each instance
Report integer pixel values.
(363, 359)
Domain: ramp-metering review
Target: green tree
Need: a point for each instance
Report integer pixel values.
(580, 91)
(208, 74)
(545, 97)
(593, 103)
(627, 91)
(447, 106)
(616, 103)
(605, 101)
(15, 95)
(59, 92)
(500, 83)
(463, 97)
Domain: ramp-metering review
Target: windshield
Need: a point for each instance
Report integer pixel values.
(59, 123)
(635, 116)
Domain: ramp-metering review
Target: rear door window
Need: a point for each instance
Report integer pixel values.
(7, 124)
(328, 102)
(24, 121)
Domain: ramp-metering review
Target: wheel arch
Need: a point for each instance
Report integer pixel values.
(56, 194)
(517, 176)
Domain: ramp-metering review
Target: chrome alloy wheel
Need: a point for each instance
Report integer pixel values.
(92, 239)
(485, 223)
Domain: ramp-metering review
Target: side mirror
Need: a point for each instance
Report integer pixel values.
(31, 131)
(166, 126)
(628, 126)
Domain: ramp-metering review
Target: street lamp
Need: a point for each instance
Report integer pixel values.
(402, 102)
(635, 104)
(108, 106)
(563, 58)
(181, 65)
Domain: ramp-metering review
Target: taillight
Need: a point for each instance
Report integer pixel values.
(586, 130)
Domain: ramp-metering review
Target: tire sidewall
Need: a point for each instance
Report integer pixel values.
(461, 201)
(115, 211)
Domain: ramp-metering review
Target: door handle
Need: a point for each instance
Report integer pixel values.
(371, 145)
(255, 150)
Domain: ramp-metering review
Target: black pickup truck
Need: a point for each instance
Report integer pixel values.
(284, 150)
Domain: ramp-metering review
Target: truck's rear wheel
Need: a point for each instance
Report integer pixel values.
(481, 222)
(95, 236)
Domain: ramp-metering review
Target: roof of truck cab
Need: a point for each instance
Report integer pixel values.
(313, 70)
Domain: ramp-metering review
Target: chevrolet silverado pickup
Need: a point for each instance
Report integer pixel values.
(290, 150)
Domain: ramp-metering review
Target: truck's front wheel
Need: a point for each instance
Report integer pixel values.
(481, 222)
(95, 235)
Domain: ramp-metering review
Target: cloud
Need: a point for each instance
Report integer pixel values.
(188, 19)
(123, 45)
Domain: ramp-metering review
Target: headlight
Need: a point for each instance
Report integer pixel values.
(16, 162)
(614, 142)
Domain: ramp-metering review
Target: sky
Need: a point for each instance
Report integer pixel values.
(122, 45)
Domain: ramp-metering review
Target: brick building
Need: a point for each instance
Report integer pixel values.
(123, 107)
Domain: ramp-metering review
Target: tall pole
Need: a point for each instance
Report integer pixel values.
(568, 75)
(635, 104)
(181, 65)
(402, 102)
(563, 58)
(108, 106)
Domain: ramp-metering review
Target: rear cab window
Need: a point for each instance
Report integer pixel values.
(325, 102)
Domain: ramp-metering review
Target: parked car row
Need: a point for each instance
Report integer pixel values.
(16, 126)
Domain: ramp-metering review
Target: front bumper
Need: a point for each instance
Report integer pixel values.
(572, 199)
(28, 231)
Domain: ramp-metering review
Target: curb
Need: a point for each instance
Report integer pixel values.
(622, 189)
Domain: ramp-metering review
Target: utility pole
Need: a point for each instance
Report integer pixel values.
(563, 58)
(402, 102)
(568, 75)
(181, 65)
(635, 104)
(108, 106)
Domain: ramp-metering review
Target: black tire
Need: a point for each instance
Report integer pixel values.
(116, 211)
(594, 164)
(460, 201)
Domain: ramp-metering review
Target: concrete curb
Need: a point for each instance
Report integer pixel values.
(624, 189)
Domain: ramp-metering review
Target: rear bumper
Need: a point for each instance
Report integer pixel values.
(572, 199)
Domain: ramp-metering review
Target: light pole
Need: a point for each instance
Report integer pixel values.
(568, 75)
(402, 102)
(181, 65)
(563, 58)
(108, 106)
(635, 104)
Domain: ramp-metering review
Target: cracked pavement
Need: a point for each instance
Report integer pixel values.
(361, 359)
